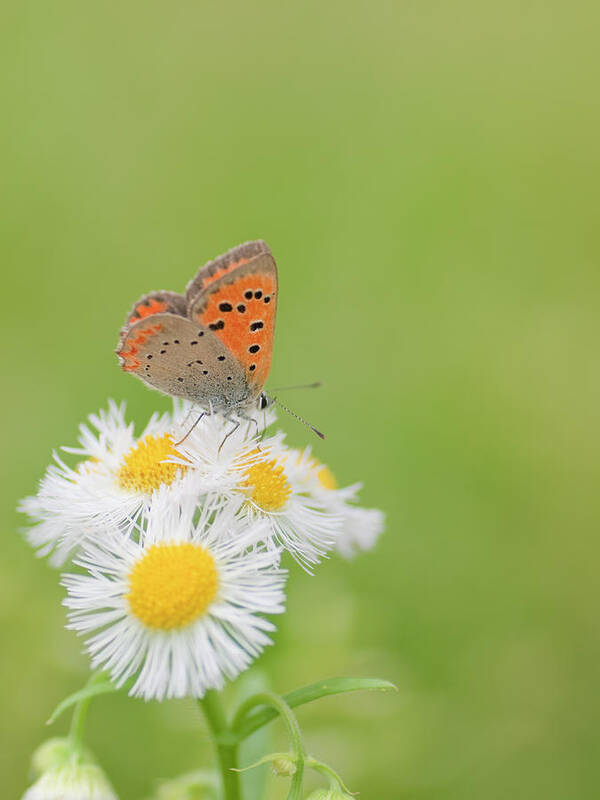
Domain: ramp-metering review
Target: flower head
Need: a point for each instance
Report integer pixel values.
(299, 521)
(181, 608)
(110, 486)
(360, 527)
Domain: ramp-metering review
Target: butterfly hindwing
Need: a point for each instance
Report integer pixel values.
(240, 307)
(154, 303)
(178, 357)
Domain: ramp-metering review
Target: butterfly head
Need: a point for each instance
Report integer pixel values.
(264, 401)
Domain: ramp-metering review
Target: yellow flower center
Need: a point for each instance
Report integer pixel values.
(267, 486)
(324, 475)
(144, 467)
(172, 585)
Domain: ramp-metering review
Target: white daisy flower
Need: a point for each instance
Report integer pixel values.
(180, 608)
(299, 521)
(361, 527)
(111, 485)
(72, 780)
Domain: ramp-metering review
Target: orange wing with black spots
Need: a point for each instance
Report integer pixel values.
(240, 307)
(236, 257)
(150, 304)
(131, 346)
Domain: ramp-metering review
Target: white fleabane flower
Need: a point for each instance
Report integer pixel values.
(360, 527)
(72, 780)
(112, 484)
(299, 521)
(180, 609)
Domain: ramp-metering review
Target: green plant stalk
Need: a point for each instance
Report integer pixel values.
(226, 746)
(80, 713)
(78, 724)
(280, 707)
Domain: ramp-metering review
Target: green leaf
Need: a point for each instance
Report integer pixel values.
(307, 694)
(100, 685)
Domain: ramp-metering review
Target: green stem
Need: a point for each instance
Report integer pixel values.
(225, 745)
(80, 714)
(78, 723)
(280, 707)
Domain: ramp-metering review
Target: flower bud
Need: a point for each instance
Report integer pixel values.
(199, 785)
(329, 794)
(284, 766)
(49, 754)
(72, 780)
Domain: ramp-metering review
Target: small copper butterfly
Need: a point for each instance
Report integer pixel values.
(214, 344)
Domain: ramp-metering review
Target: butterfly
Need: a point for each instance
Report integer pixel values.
(212, 345)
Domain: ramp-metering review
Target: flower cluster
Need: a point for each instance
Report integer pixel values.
(178, 541)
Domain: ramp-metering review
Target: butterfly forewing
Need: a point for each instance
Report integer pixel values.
(240, 308)
(177, 357)
(236, 257)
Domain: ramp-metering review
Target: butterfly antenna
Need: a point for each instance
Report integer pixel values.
(314, 385)
(181, 441)
(299, 418)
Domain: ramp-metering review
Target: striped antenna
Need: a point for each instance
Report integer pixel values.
(275, 400)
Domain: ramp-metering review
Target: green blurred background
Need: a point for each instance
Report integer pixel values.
(426, 174)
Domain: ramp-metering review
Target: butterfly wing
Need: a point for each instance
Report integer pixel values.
(150, 304)
(236, 257)
(178, 357)
(238, 303)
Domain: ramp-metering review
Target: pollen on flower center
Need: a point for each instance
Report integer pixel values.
(172, 585)
(266, 484)
(144, 467)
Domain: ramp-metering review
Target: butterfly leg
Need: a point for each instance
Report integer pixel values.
(253, 421)
(190, 430)
(227, 435)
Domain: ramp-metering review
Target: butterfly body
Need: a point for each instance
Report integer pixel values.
(213, 345)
